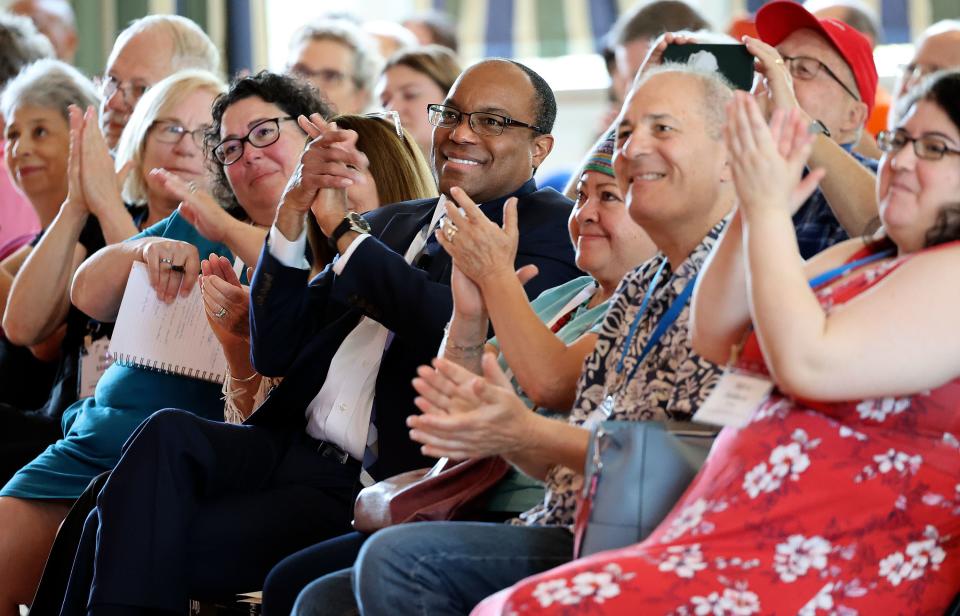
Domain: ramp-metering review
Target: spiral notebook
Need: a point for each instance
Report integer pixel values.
(173, 338)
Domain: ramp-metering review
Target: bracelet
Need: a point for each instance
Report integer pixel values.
(475, 349)
(245, 380)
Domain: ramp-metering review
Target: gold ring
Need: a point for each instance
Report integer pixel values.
(778, 61)
(449, 230)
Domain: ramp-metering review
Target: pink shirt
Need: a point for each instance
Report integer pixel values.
(18, 222)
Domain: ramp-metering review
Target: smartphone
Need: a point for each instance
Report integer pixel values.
(733, 61)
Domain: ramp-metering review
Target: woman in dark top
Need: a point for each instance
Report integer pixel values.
(35, 106)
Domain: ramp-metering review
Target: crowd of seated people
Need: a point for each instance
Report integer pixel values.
(389, 285)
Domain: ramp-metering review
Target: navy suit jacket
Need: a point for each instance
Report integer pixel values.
(296, 327)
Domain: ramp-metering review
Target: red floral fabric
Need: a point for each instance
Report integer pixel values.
(811, 509)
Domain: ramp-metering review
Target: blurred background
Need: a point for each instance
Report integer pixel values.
(561, 39)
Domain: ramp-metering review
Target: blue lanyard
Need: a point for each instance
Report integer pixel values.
(668, 319)
(831, 275)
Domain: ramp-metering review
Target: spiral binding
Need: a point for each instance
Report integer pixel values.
(132, 361)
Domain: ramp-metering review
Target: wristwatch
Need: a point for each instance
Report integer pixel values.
(817, 126)
(351, 222)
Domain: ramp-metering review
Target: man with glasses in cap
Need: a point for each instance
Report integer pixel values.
(826, 68)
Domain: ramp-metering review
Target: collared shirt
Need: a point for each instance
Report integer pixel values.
(671, 382)
(340, 412)
(817, 226)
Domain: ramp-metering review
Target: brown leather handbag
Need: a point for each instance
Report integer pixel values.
(447, 491)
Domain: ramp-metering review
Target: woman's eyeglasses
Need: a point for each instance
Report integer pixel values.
(263, 133)
(926, 147)
(168, 131)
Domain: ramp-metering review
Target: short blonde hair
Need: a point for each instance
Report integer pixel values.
(157, 101)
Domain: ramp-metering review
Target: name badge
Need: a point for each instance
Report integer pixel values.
(734, 399)
(94, 361)
(600, 414)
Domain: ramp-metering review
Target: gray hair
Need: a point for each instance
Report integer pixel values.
(157, 101)
(940, 27)
(21, 43)
(50, 84)
(192, 48)
(717, 92)
(366, 56)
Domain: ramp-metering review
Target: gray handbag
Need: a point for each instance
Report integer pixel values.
(635, 473)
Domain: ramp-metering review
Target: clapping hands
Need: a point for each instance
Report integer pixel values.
(767, 162)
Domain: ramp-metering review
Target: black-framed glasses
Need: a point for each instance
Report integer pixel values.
(130, 92)
(263, 133)
(168, 131)
(806, 68)
(927, 147)
(481, 122)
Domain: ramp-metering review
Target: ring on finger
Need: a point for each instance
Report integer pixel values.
(193, 185)
(166, 260)
(178, 268)
(449, 230)
(220, 313)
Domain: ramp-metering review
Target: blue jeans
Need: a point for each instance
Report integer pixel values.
(438, 568)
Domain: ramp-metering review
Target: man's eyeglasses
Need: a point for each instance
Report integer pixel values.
(481, 122)
(805, 69)
(130, 92)
(167, 131)
(926, 147)
(326, 76)
(263, 133)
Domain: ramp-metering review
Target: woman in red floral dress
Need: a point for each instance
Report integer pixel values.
(842, 493)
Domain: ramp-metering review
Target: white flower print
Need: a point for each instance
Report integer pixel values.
(912, 563)
(951, 440)
(823, 600)
(598, 586)
(898, 461)
(554, 591)
(691, 519)
(799, 554)
(685, 561)
(889, 462)
(740, 602)
(785, 461)
(879, 409)
(846, 432)
(707, 606)
(736, 600)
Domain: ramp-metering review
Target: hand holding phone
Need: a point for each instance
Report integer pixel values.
(733, 61)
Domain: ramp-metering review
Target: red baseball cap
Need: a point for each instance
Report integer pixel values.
(779, 19)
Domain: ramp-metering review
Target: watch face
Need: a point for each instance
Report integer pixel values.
(358, 223)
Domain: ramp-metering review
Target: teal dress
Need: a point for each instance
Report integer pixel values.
(517, 492)
(96, 428)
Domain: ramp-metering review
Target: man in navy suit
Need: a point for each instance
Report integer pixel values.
(200, 509)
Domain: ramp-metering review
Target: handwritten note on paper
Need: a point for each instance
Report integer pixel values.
(173, 338)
